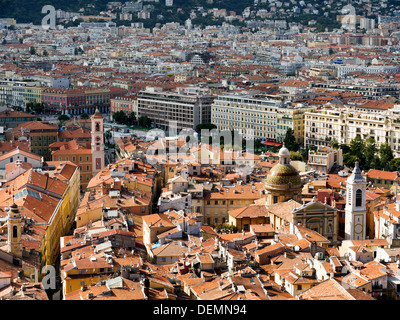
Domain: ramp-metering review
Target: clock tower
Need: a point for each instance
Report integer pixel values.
(97, 145)
(356, 211)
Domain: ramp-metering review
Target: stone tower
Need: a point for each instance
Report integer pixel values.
(356, 211)
(14, 224)
(97, 145)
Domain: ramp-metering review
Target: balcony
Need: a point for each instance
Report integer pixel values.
(377, 287)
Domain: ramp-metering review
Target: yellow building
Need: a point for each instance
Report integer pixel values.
(89, 264)
(63, 216)
(216, 204)
(33, 94)
(48, 204)
(291, 117)
(244, 217)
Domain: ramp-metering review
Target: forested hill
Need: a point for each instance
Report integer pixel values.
(26, 11)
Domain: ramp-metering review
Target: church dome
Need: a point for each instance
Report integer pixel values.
(283, 174)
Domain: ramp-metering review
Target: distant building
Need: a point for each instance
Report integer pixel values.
(126, 104)
(12, 119)
(186, 109)
(324, 159)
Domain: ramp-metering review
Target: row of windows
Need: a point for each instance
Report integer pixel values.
(73, 159)
(223, 202)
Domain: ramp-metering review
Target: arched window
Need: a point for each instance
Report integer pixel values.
(15, 232)
(97, 126)
(358, 198)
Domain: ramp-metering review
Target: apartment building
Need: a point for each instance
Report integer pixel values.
(40, 135)
(12, 119)
(126, 104)
(77, 154)
(293, 118)
(371, 91)
(344, 69)
(323, 159)
(343, 125)
(81, 100)
(49, 201)
(12, 92)
(186, 108)
(244, 112)
(33, 94)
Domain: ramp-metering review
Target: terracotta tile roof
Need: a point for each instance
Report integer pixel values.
(12, 145)
(37, 126)
(373, 270)
(284, 210)
(332, 290)
(171, 249)
(380, 174)
(157, 220)
(311, 235)
(18, 152)
(253, 211)
(245, 191)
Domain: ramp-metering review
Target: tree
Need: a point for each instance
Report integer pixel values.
(131, 119)
(294, 155)
(395, 164)
(349, 159)
(84, 116)
(258, 144)
(63, 118)
(120, 117)
(145, 122)
(385, 156)
(371, 159)
(207, 126)
(357, 149)
(290, 140)
(345, 148)
(37, 107)
(334, 143)
(304, 153)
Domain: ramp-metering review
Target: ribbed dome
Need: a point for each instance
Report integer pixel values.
(283, 174)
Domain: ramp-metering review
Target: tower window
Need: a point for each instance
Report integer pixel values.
(15, 232)
(358, 198)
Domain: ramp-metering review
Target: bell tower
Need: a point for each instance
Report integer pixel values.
(356, 211)
(97, 145)
(14, 223)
